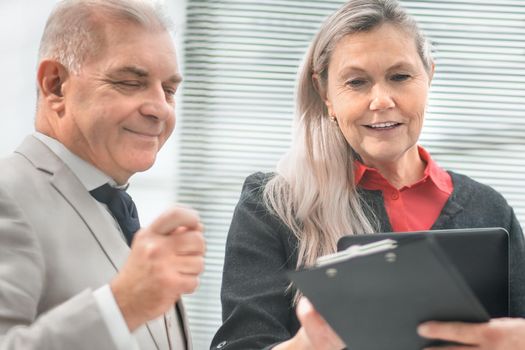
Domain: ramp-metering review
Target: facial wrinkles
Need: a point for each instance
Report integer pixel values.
(381, 86)
(376, 55)
(382, 64)
(96, 127)
(98, 112)
(82, 139)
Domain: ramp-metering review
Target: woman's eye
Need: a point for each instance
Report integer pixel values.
(355, 83)
(400, 77)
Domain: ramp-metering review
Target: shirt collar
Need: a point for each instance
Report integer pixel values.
(370, 178)
(89, 175)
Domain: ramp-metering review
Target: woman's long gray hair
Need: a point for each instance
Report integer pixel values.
(313, 191)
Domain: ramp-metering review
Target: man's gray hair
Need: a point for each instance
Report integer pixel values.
(74, 30)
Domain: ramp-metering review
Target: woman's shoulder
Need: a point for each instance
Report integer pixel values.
(467, 188)
(253, 217)
(254, 185)
(258, 179)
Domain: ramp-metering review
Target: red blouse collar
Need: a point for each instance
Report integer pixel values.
(370, 178)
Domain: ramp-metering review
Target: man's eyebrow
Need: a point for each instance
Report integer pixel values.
(142, 73)
(139, 72)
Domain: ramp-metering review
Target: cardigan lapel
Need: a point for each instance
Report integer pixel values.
(453, 206)
(374, 204)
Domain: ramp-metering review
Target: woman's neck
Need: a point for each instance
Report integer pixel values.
(405, 171)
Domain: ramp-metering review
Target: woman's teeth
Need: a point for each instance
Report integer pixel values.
(383, 125)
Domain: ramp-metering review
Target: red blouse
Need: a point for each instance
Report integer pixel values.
(415, 207)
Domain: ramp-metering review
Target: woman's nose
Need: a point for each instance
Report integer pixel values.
(381, 99)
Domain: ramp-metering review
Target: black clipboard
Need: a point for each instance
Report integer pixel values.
(377, 297)
(481, 255)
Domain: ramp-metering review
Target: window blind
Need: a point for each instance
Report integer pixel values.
(241, 59)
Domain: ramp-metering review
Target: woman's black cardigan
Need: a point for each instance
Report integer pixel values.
(256, 305)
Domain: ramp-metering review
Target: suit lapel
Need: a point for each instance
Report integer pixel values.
(103, 230)
(179, 308)
(105, 233)
(74, 192)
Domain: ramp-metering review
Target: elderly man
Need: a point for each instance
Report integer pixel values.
(106, 78)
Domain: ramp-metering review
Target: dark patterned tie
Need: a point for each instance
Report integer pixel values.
(121, 206)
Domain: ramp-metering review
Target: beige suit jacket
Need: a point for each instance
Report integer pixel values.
(56, 247)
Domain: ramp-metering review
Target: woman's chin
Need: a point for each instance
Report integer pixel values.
(383, 155)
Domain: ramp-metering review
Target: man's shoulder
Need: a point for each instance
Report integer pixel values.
(15, 170)
(15, 166)
(22, 177)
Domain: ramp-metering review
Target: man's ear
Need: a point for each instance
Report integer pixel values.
(431, 73)
(51, 77)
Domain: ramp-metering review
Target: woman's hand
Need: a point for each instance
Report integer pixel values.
(498, 334)
(315, 333)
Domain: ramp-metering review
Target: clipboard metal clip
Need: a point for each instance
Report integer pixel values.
(355, 251)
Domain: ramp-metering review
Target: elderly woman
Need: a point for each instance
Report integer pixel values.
(354, 168)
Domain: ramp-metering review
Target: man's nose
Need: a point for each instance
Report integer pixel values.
(156, 104)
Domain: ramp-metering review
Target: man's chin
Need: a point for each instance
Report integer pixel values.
(130, 166)
(143, 165)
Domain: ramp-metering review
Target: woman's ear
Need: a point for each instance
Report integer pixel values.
(51, 77)
(321, 90)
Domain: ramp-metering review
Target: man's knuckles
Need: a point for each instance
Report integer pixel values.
(191, 264)
(179, 283)
(191, 242)
(173, 218)
(153, 249)
(188, 284)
